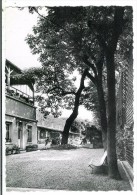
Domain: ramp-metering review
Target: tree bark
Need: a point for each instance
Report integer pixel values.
(111, 133)
(111, 130)
(110, 49)
(97, 81)
(102, 109)
(74, 114)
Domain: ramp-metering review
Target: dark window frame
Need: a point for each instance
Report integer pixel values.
(8, 136)
(29, 129)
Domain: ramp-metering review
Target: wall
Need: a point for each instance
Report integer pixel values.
(52, 134)
(18, 108)
(17, 111)
(14, 131)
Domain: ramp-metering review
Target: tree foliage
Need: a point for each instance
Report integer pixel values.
(56, 92)
(78, 126)
(80, 37)
(68, 40)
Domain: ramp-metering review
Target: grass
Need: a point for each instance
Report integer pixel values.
(60, 147)
(60, 170)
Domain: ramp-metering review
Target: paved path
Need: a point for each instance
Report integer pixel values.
(58, 169)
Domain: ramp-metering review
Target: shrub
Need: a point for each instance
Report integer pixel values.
(64, 147)
(55, 141)
(12, 150)
(32, 147)
(8, 150)
(15, 149)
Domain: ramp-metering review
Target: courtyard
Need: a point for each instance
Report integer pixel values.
(59, 170)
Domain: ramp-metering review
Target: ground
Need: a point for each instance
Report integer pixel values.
(60, 170)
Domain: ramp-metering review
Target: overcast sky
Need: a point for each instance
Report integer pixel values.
(17, 25)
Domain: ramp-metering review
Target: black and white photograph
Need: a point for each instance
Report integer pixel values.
(68, 101)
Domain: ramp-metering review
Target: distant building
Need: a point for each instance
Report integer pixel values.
(52, 128)
(20, 115)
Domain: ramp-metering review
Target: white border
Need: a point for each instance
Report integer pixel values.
(24, 3)
(68, 2)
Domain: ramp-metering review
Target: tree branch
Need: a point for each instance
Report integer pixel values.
(68, 92)
(52, 22)
(91, 78)
(95, 30)
(91, 65)
(81, 87)
(62, 90)
(117, 27)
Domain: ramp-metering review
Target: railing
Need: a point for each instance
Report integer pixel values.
(11, 91)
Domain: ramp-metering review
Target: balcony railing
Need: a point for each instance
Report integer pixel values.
(16, 93)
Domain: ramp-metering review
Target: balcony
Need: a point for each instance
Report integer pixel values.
(16, 93)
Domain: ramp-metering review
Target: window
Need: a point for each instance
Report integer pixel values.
(8, 139)
(42, 134)
(19, 130)
(29, 134)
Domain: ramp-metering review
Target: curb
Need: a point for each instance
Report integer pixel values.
(9, 189)
(126, 172)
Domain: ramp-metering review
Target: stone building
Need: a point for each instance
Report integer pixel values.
(20, 113)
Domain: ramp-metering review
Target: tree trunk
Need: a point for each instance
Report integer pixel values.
(102, 110)
(97, 81)
(111, 131)
(74, 114)
(68, 124)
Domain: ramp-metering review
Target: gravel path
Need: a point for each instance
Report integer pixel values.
(58, 169)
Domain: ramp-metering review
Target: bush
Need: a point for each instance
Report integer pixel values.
(15, 149)
(55, 142)
(12, 150)
(8, 150)
(33, 147)
(64, 147)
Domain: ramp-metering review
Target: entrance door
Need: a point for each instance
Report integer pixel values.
(20, 134)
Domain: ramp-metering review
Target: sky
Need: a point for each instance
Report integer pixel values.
(18, 24)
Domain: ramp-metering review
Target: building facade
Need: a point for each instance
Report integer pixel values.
(20, 114)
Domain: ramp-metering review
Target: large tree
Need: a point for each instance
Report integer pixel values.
(65, 33)
(108, 31)
(59, 89)
(71, 28)
(74, 114)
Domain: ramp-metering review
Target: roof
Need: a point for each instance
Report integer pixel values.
(51, 123)
(13, 66)
(49, 128)
(56, 124)
(16, 78)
